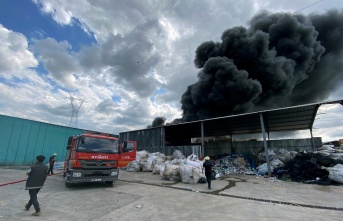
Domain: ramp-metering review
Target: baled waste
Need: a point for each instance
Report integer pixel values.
(323, 166)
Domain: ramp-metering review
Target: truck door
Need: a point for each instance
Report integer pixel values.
(128, 153)
(69, 147)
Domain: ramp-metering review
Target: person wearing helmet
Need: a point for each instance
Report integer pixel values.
(51, 163)
(208, 170)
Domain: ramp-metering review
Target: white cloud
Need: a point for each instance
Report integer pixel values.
(57, 60)
(134, 54)
(14, 53)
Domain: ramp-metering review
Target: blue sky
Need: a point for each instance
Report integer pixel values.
(129, 61)
(25, 17)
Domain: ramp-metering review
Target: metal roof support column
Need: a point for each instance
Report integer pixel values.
(202, 139)
(312, 141)
(232, 148)
(265, 145)
(163, 139)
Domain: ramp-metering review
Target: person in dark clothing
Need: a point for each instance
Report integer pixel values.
(207, 165)
(51, 163)
(35, 181)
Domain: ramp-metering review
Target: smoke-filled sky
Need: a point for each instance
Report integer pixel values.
(132, 61)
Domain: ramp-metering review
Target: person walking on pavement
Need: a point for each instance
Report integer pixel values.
(35, 181)
(208, 170)
(51, 163)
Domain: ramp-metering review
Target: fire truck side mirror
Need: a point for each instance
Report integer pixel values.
(68, 147)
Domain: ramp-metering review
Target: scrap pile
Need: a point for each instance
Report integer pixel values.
(321, 167)
(324, 166)
(176, 167)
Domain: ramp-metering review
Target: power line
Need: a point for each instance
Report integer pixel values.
(310, 5)
(202, 23)
(146, 27)
(182, 66)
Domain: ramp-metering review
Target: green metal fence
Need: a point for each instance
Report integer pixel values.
(22, 140)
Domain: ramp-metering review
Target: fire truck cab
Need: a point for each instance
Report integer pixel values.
(96, 158)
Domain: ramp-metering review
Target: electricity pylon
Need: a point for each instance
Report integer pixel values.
(75, 110)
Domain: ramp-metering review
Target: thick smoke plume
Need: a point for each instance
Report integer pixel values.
(158, 121)
(280, 60)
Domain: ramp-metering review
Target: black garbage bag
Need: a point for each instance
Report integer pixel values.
(307, 168)
(202, 180)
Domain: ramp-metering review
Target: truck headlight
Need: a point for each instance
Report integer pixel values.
(115, 173)
(77, 174)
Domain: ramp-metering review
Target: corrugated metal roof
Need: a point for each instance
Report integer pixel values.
(283, 119)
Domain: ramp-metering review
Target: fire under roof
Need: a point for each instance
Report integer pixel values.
(276, 120)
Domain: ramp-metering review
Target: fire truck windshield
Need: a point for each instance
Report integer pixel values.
(97, 145)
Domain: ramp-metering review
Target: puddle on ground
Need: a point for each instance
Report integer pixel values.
(232, 183)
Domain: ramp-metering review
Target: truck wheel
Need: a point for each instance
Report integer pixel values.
(67, 184)
(110, 183)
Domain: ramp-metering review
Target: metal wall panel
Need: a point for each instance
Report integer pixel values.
(151, 140)
(244, 147)
(147, 138)
(22, 140)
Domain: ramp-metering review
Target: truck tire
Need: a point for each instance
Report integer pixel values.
(67, 184)
(110, 183)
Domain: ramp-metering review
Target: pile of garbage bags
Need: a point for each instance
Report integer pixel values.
(323, 166)
(175, 167)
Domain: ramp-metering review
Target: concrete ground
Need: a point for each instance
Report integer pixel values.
(144, 196)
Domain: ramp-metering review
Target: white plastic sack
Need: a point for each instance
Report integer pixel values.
(169, 158)
(283, 151)
(158, 154)
(143, 154)
(322, 152)
(156, 161)
(193, 157)
(336, 156)
(285, 157)
(178, 161)
(189, 174)
(157, 168)
(262, 169)
(147, 166)
(276, 163)
(335, 173)
(270, 153)
(171, 172)
(178, 155)
(197, 164)
(133, 166)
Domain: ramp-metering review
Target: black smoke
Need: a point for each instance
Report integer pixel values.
(158, 121)
(280, 60)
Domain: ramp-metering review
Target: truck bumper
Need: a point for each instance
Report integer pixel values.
(82, 176)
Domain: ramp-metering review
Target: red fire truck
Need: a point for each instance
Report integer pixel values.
(94, 157)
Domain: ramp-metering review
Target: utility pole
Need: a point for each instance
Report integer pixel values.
(75, 110)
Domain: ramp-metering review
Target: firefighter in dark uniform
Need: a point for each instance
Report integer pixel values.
(35, 181)
(208, 170)
(51, 163)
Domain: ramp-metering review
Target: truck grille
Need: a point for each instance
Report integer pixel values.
(97, 164)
